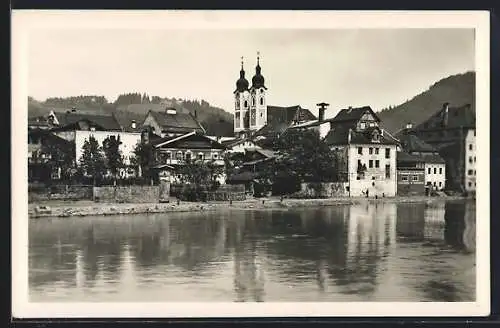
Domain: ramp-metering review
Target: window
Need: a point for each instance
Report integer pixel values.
(387, 171)
(435, 171)
(92, 128)
(360, 150)
(376, 151)
(474, 172)
(470, 146)
(440, 170)
(470, 159)
(245, 104)
(188, 156)
(404, 178)
(200, 156)
(377, 163)
(388, 153)
(440, 184)
(168, 155)
(370, 163)
(215, 155)
(262, 100)
(428, 170)
(370, 151)
(470, 184)
(414, 178)
(359, 163)
(470, 172)
(179, 155)
(362, 125)
(474, 159)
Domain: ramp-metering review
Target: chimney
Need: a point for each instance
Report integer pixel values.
(171, 110)
(349, 109)
(409, 125)
(322, 107)
(134, 124)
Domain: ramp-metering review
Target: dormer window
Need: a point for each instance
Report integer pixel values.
(362, 125)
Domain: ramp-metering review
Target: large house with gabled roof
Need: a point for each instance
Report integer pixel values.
(452, 131)
(171, 122)
(367, 153)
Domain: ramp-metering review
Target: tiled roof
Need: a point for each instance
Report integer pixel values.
(125, 120)
(407, 158)
(433, 158)
(106, 122)
(281, 118)
(463, 116)
(411, 143)
(178, 122)
(353, 114)
(339, 135)
(192, 140)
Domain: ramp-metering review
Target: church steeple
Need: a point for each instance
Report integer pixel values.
(242, 83)
(258, 79)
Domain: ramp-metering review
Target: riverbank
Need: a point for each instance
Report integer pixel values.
(88, 208)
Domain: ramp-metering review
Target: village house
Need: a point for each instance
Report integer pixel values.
(452, 131)
(410, 174)
(75, 127)
(434, 164)
(239, 145)
(172, 122)
(367, 152)
(172, 152)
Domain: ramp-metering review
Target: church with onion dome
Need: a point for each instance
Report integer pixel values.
(252, 115)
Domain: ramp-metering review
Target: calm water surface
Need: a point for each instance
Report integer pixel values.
(372, 252)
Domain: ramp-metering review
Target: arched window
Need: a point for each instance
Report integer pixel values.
(246, 104)
(262, 100)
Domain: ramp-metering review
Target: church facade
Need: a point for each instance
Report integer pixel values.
(250, 111)
(253, 117)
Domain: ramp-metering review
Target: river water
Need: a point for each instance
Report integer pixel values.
(369, 252)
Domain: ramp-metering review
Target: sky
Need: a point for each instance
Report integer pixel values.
(343, 67)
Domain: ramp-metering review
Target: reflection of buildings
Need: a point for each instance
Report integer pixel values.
(369, 239)
(248, 274)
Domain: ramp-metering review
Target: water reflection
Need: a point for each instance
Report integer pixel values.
(367, 252)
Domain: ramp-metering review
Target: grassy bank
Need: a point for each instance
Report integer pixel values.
(87, 208)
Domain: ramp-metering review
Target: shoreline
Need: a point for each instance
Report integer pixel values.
(75, 209)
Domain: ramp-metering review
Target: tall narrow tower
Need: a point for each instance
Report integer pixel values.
(241, 104)
(258, 104)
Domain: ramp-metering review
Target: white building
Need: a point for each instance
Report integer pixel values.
(128, 140)
(368, 153)
(434, 164)
(470, 160)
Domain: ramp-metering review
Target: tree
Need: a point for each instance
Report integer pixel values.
(113, 156)
(92, 161)
(303, 155)
(143, 158)
(201, 173)
(61, 155)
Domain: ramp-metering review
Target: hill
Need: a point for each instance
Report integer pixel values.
(134, 106)
(456, 89)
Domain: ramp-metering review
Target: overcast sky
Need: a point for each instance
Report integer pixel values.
(304, 67)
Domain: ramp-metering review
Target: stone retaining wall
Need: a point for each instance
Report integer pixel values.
(129, 194)
(63, 192)
(324, 189)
